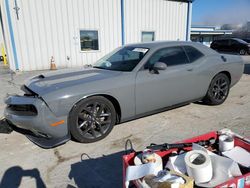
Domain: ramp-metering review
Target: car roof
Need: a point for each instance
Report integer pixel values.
(221, 39)
(236, 39)
(239, 40)
(161, 44)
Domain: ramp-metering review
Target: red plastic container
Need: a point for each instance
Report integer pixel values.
(237, 182)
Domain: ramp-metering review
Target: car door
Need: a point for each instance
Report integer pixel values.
(223, 45)
(227, 46)
(235, 46)
(231, 46)
(169, 87)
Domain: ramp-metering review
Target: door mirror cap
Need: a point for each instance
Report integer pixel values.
(160, 66)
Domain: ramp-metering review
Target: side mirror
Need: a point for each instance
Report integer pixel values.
(158, 66)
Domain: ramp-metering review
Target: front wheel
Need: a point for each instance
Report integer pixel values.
(218, 90)
(92, 119)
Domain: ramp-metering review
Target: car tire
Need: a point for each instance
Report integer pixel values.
(242, 52)
(92, 119)
(218, 90)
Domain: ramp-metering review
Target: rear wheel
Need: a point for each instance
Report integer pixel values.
(92, 119)
(218, 90)
(242, 52)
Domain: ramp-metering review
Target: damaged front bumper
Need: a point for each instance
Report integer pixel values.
(31, 116)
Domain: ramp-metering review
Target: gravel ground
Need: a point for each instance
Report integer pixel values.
(26, 165)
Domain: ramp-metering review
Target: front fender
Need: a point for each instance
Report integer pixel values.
(121, 88)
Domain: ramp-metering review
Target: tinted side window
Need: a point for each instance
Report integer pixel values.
(222, 42)
(193, 53)
(234, 42)
(225, 42)
(170, 56)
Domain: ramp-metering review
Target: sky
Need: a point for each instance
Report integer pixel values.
(219, 12)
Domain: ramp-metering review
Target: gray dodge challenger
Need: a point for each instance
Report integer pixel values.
(132, 81)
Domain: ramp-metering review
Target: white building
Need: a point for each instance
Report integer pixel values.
(78, 32)
(207, 34)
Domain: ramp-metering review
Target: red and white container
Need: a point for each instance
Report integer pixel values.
(236, 182)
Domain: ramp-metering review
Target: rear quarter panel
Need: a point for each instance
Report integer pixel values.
(212, 64)
(235, 66)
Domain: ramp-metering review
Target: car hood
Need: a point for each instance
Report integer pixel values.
(51, 81)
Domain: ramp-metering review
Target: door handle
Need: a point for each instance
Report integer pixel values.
(191, 69)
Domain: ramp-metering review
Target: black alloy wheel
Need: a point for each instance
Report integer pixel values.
(92, 119)
(218, 90)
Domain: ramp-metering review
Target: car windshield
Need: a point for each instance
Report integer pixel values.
(122, 59)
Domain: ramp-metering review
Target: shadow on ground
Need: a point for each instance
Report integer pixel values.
(12, 177)
(247, 69)
(103, 172)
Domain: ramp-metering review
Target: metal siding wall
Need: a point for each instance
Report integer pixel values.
(51, 28)
(166, 18)
(7, 36)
